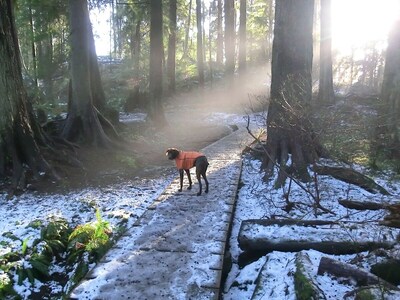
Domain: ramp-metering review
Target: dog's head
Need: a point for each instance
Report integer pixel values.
(172, 153)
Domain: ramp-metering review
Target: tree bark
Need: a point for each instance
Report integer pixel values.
(242, 37)
(186, 43)
(253, 239)
(200, 59)
(343, 270)
(288, 123)
(305, 285)
(389, 116)
(171, 46)
(20, 136)
(229, 6)
(82, 124)
(99, 97)
(33, 46)
(156, 111)
(45, 63)
(270, 31)
(220, 41)
(137, 49)
(362, 205)
(353, 177)
(326, 93)
(374, 291)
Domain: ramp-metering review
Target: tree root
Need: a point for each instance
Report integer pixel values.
(271, 158)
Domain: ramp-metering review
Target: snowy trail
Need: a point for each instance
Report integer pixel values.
(176, 249)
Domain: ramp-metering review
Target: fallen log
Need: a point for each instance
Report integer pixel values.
(372, 292)
(353, 177)
(264, 236)
(393, 218)
(361, 276)
(270, 284)
(286, 222)
(361, 205)
(388, 269)
(395, 223)
(304, 284)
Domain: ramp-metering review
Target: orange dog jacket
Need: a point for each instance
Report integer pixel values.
(187, 159)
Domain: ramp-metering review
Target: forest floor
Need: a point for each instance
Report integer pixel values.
(122, 184)
(195, 120)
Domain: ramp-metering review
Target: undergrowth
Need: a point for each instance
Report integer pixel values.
(348, 131)
(71, 249)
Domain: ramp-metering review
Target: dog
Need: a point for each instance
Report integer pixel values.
(186, 160)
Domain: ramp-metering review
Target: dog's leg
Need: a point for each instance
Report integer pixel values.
(180, 180)
(205, 179)
(190, 179)
(199, 180)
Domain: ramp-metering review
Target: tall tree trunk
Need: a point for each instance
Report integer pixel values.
(20, 136)
(389, 116)
(203, 22)
(186, 43)
(137, 49)
(326, 93)
(242, 37)
(200, 60)
(171, 47)
(33, 47)
(99, 97)
(156, 111)
(288, 124)
(83, 122)
(113, 24)
(270, 32)
(210, 42)
(47, 66)
(229, 37)
(220, 41)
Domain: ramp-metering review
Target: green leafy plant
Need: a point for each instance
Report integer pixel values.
(54, 237)
(36, 224)
(27, 264)
(6, 286)
(93, 238)
(80, 247)
(87, 244)
(33, 262)
(127, 160)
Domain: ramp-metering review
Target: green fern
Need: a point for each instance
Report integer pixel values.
(93, 238)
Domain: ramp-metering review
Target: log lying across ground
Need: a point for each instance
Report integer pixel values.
(362, 205)
(264, 236)
(270, 284)
(393, 218)
(305, 285)
(353, 177)
(343, 270)
(372, 292)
